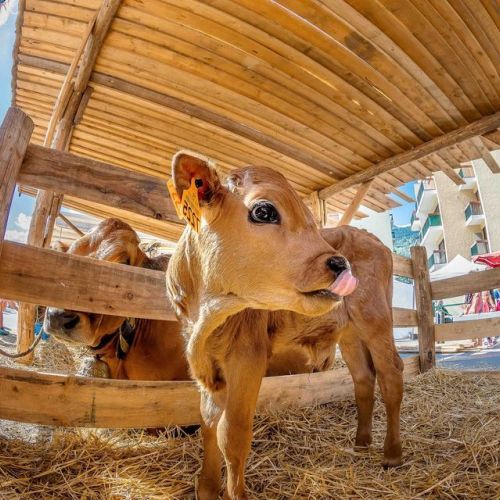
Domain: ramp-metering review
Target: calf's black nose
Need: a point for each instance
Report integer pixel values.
(337, 264)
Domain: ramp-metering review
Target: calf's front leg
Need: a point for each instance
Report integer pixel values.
(245, 370)
(209, 482)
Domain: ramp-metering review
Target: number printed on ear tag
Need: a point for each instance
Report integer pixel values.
(189, 207)
(191, 210)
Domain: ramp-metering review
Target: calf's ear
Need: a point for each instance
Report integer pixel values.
(187, 166)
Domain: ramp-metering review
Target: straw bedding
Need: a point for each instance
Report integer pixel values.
(450, 428)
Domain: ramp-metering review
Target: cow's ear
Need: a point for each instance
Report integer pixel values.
(59, 246)
(187, 166)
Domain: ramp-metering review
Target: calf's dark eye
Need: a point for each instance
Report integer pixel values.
(264, 212)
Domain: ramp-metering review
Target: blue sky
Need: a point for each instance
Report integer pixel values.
(22, 206)
(402, 214)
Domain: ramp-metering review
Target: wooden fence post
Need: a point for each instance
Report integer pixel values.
(425, 316)
(15, 134)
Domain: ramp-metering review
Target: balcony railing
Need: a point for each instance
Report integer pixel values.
(473, 208)
(437, 257)
(425, 185)
(432, 220)
(480, 247)
(466, 172)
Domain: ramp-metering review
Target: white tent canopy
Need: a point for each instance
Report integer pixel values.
(457, 267)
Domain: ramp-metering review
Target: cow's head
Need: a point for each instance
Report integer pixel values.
(258, 247)
(113, 241)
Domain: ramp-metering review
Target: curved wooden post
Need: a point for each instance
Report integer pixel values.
(425, 316)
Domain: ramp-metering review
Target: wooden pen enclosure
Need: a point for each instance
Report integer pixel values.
(43, 276)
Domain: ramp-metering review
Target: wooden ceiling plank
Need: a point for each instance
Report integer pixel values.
(321, 161)
(297, 87)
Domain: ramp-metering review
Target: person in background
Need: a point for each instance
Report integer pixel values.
(496, 297)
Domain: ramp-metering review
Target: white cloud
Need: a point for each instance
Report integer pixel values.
(20, 232)
(15, 235)
(23, 221)
(5, 10)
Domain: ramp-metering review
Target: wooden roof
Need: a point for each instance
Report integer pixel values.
(319, 89)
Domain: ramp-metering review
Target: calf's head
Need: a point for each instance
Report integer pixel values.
(257, 247)
(112, 241)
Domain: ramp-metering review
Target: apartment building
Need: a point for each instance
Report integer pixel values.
(458, 220)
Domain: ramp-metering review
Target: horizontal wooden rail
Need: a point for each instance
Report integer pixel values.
(50, 278)
(468, 283)
(471, 329)
(404, 317)
(90, 180)
(402, 266)
(72, 401)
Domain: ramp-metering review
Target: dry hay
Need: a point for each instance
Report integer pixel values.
(450, 429)
(50, 355)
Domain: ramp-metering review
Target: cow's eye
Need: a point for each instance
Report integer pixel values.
(264, 212)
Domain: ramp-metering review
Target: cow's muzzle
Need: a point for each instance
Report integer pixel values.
(57, 320)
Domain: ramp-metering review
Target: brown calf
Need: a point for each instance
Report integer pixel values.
(140, 349)
(258, 249)
(362, 326)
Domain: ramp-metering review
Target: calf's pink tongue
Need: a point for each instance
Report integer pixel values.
(345, 284)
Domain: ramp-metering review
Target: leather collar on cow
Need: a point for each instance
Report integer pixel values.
(125, 333)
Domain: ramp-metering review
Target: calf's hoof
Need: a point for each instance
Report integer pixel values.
(393, 456)
(391, 462)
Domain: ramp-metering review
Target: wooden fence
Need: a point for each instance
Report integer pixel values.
(46, 277)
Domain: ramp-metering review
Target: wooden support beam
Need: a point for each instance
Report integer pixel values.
(355, 203)
(318, 209)
(425, 316)
(72, 401)
(15, 134)
(484, 153)
(67, 86)
(46, 277)
(104, 19)
(404, 196)
(469, 283)
(75, 229)
(59, 171)
(478, 127)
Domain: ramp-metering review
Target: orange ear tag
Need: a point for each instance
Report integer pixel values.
(189, 207)
(175, 198)
(191, 210)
